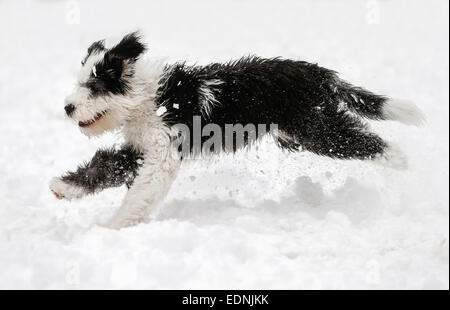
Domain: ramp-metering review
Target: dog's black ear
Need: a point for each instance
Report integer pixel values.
(97, 46)
(130, 47)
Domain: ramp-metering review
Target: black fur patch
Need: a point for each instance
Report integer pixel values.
(95, 47)
(303, 99)
(108, 168)
(360, 101)
(109, 77)
(130, 47)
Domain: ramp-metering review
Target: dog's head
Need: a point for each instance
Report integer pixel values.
(102, 93)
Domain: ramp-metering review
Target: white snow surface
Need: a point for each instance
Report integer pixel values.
(260, 219)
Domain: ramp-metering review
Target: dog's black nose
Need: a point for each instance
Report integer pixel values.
(69, 109)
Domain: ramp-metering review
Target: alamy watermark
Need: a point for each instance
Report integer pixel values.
(199, 140)
(373, 12)
(73, 12)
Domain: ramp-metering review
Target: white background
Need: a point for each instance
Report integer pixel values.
(260, 219)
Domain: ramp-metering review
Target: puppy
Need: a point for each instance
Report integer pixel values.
(158, 107)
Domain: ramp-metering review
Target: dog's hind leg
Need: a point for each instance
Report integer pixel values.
(108, 168)
(345, 136)
(151, 185)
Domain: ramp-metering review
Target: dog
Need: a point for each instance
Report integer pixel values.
(118, 88)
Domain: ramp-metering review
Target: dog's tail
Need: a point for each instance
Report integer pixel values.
(372, 106)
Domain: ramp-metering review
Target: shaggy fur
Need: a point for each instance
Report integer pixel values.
(116, 88)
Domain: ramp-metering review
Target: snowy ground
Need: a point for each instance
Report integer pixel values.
(255, 220)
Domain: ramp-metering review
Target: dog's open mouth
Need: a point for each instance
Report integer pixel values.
(92, 121)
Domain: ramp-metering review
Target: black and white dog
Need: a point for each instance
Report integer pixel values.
(117, 88)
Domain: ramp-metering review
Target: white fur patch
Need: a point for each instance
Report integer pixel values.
(207, 97)
(65, 190)
(154, 179)
(403, 111)
(393, 157)
(144, 129)
(88, 67)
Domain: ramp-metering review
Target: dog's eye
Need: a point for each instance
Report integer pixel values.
(83, 62)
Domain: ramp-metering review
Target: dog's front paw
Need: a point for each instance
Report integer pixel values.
(63, 190)
(118, 222)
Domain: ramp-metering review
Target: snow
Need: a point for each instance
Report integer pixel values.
(161, 110)
(261, 219)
